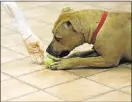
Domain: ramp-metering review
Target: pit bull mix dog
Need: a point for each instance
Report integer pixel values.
(109, 32)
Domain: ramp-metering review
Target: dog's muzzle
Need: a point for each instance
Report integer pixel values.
(57, 53)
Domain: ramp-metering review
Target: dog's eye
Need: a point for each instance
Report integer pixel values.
(57, 39)
(68, 23)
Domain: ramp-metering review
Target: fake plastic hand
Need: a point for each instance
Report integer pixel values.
(35, 49)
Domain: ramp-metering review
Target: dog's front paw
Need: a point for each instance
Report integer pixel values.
(62, 64)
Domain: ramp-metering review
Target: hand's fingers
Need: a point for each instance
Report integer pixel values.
(41, 54)
(32, 57)
(38, 58)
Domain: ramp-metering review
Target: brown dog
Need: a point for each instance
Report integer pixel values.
(74, 28)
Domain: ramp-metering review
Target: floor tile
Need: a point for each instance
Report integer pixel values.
(127, 89)
(5, 18)
(114, 96)
(116, 77)
(33, 23)
(8, 55)
(20, 67)
(78, 90)
(11, 40)
(85, 72)
(4, 77)
(5, 32)
(37, 96)
(39, 12)
(13, 88)
(13, 25)
(44, 32)
(20, 49)
(46, 78)
(43, 14)
(30, 5)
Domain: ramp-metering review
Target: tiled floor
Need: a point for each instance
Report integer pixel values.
(22, 80)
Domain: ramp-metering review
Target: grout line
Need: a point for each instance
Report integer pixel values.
(6, 27)
(116, 89)
(108, 92)
(98, 95)
(123, 91)
(23, 74)
(23, 81)
(8, 100)
(60, 84)
(7, 78)
(35, 86)
(101, 84)
(89, 75)
(15, 51)
(11, 46)
(54, 95)
(15, 60)
(40, 88)
(29, 73)
(123, 87)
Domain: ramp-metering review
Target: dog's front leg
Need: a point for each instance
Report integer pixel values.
(89, 62)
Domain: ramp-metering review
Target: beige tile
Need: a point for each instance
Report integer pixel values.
(20, 49)
(43, 14)
(13, 88)
(8, 55)
(116, 77)
(5, 18)
(30, 5)
(113, 96)
(20, 67)
(58, 6)
(4, 77)
(33, 23)
(37, 96)
(44, 32)
(46, 78)
(5, 32)
(85, 72)
(78, 90)
(111, 6)
(11, 40)
(126, 89)
(12, 26)
(39, 12)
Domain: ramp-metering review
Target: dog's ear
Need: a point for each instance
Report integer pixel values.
(67, 25)
(76, 24)
(66, 10)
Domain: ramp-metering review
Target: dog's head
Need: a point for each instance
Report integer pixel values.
(67, 34)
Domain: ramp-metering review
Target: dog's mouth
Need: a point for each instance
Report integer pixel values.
(64, 53)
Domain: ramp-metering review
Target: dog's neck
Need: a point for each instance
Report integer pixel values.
(96, 17)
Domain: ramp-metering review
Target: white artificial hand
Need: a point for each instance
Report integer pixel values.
(33, 44)
(35, 49)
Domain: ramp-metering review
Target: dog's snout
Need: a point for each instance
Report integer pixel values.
(51, 51)
(48, 50)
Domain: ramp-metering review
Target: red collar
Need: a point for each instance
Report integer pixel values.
(99, 27)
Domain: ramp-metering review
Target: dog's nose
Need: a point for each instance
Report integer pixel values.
(51, 51)
(48, 49)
